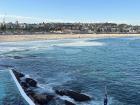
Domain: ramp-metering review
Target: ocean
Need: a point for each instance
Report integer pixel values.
(84, 65)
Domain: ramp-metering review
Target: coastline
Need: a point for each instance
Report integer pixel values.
(14, 38)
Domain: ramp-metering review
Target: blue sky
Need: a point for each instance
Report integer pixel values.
(119, 11)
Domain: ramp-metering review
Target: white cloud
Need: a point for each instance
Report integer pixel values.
(13, 18)
(27, 19)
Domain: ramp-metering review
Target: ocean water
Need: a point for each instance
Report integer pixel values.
(9, 94)
(85, 65)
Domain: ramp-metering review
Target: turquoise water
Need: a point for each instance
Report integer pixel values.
(9, 94)
(86, 65)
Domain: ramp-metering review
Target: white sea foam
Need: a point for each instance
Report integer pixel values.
(131, 38)
(98, 102)
(43, 45)
(2, 70)
(7, 49)
(66, 98)
(81, 43)
(45, 88)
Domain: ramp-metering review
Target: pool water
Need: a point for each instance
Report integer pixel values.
(9, 94)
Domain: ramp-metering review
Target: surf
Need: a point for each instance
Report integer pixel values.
(81, 44)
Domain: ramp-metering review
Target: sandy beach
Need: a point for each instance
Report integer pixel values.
(59, 36)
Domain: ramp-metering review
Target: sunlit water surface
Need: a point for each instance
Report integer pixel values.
(86, 65)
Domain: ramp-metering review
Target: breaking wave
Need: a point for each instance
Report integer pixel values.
(82, 44)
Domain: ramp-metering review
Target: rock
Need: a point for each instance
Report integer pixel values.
(69, 103)
(18, 74)
(75, 95)
(24, 85)
(42, 99)
(31, 82)
(57, 101)
(30, 92)
(17, 57)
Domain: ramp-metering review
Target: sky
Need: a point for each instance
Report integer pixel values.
(95, 11)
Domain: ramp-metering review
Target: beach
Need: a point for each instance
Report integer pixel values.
(33, 37)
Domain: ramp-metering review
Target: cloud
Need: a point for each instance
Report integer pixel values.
(12, 18)
(28, 19)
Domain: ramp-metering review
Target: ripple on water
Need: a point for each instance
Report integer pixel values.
(87, 66)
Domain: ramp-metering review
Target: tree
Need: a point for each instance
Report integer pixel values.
(3, 27)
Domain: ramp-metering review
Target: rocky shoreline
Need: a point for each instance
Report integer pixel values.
(57, 97)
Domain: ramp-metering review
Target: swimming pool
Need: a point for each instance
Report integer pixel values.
(9, 93)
